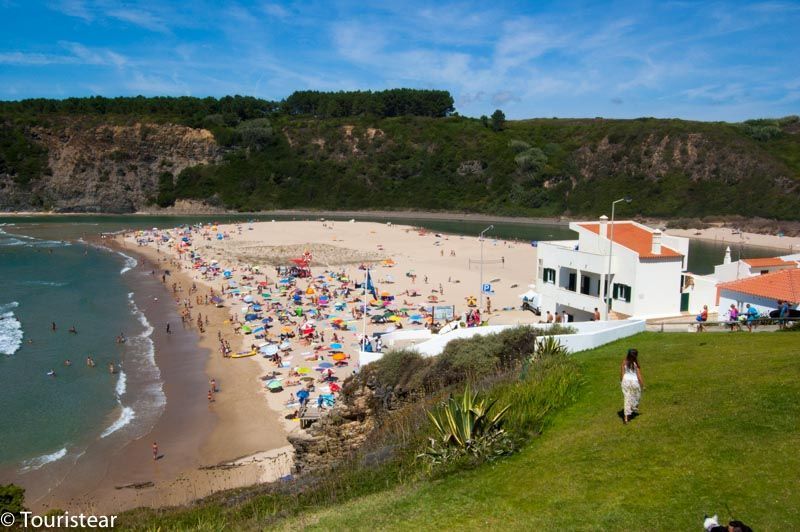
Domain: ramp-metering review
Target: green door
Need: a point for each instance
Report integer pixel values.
(684, 302)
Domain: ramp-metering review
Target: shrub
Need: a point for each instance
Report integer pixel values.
(531, 160)
(467, 427)
(518, 146)
(12, 499)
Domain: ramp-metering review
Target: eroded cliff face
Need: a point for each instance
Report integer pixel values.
(107, 168)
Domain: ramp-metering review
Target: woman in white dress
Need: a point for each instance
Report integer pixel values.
(630, 376)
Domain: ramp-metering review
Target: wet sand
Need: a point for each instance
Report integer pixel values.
(203, 447)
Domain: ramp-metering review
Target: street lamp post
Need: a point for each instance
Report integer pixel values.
(480, 306)
(626, 199)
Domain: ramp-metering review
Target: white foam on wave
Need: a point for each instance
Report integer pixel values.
(36, 463)
(147, 347)
(13, 239)
(125, 417)
(45, 283)
(11, 332)
(130, 263)
(122, 384)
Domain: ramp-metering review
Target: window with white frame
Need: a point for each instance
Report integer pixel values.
(549, 275)
(622, 292)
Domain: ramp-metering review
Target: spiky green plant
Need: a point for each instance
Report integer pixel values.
(467, 426)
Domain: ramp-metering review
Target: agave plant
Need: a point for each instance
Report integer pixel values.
(545, 347)
(466, 425)
(548, 346)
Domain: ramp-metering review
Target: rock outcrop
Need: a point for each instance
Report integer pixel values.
(107, 168)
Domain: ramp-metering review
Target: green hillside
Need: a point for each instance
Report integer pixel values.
(718, 433)
(400, 149)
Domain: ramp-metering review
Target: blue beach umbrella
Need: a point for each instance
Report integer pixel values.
(326, 365)
(269, 349)
(336, 346)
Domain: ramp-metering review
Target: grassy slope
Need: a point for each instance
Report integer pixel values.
(718, 431)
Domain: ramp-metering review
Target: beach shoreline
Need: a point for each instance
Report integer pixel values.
(724, 235)
(205, 447)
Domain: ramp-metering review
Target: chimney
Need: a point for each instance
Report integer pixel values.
(727, 259)
(604, 226)
(656, 249)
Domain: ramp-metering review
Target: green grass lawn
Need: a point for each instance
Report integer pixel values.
(719, 433)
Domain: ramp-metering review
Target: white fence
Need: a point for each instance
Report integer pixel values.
(588, 335)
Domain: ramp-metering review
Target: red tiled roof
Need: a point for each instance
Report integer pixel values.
(784, 285)
(767, 263)
(634, 238)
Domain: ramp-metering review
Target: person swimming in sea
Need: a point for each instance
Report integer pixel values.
(51, 373)
(73, 330)
(90, 362)
(67, 362)
(112, 368)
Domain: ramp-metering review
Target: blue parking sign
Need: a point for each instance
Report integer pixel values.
(486, 288)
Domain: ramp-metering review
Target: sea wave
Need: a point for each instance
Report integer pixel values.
(13, 239)
(130, 263)
(36, 463)
(45, 283)
(122, 384)
(11, 332)
(125, 417)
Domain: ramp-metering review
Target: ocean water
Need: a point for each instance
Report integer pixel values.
(45, 418)
(50, 273)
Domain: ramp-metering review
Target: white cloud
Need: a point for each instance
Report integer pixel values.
(23, 58)
(78, 55)
(275, 10)
(139, 18)
(74, 8)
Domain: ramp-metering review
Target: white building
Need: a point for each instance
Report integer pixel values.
(702, 289)
(646, 268)
(761, 291)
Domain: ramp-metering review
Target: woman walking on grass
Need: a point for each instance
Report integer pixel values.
(630, 376)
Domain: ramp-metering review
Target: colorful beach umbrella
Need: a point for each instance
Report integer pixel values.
(339, 356)
(336, 346)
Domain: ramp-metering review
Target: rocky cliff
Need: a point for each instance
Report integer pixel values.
(106, 167)
(541, 167)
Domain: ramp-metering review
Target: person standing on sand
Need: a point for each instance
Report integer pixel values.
(155, 451)
(630, 377)
(168, 330)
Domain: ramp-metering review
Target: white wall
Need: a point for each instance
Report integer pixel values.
(728, 297)
(704, 292)
(658, 289)
(589, 335)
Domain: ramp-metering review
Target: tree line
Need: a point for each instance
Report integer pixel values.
(393, 102)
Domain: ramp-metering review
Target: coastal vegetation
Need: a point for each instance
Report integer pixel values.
(711, 409)
(397, 149)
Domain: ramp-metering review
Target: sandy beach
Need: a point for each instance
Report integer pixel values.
(204, 447)
(430, 265)
(240, 438)
(785, 244)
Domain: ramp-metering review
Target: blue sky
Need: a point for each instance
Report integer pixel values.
(686, 59)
